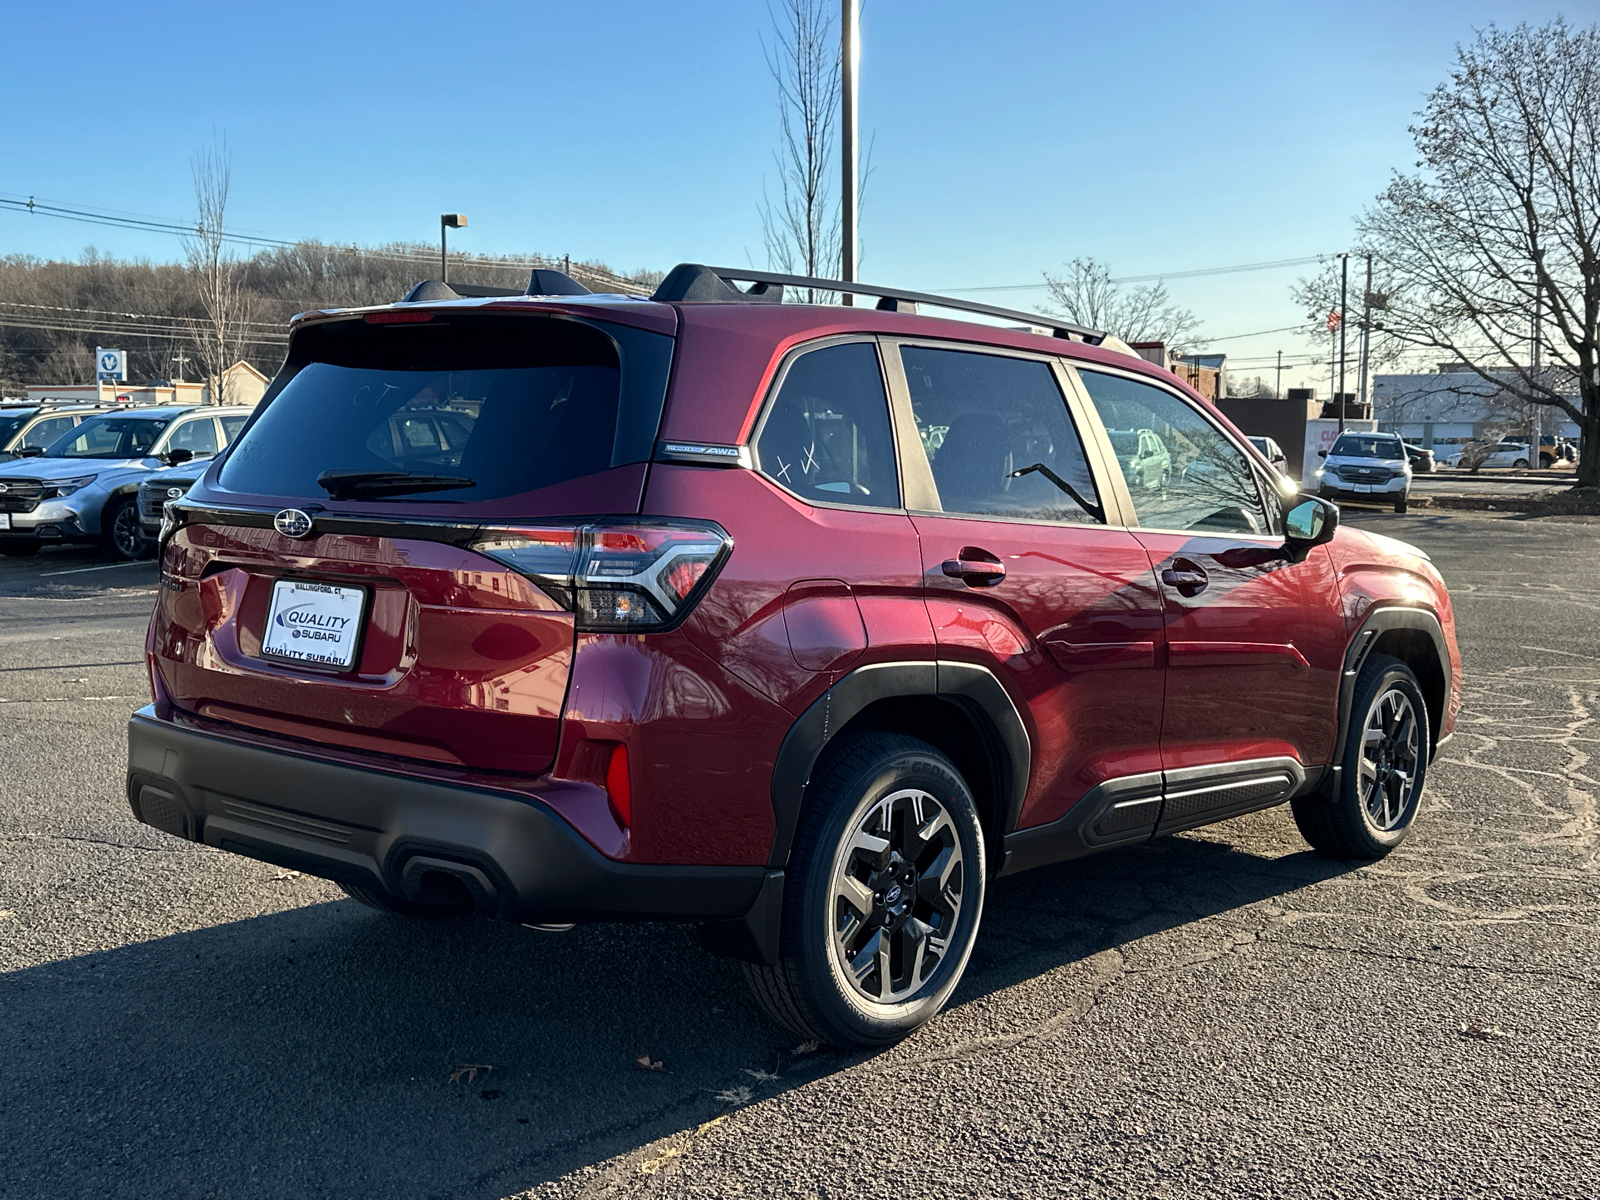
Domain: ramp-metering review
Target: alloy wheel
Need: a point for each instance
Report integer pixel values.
(1390, 747)
(126, 534)
(897, 889)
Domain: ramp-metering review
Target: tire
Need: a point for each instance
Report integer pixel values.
(19, 549)
(1521, 462)
(1401, 504)
(1374, 810)
(123, 538)
(854, 898)
(405, 908)
(1546, 462)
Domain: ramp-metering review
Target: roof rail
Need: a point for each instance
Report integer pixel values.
(694, 282)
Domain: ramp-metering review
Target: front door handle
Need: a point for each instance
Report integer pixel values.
(1185, 577)
(975, 568)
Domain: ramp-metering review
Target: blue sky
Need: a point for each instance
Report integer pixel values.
(1010, 136)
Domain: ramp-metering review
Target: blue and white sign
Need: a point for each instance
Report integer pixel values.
(111, 364)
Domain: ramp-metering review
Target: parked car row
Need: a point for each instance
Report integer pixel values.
(83, 487)
(26, 429)
(1508, 452)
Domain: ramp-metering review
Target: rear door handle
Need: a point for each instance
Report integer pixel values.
(1185, 577)
(974, 571)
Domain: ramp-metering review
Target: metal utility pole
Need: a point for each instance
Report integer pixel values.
(1277, 389)
(1534, 421)
(849, 67)
(1344, 298)
(1366, 333)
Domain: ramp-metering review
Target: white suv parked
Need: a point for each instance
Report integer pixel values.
(1370, 467)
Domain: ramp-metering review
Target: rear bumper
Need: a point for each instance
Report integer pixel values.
(517, 858)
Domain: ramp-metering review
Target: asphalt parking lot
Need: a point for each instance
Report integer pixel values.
(1216, 1014)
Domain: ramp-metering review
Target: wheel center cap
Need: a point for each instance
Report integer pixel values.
(892, 896)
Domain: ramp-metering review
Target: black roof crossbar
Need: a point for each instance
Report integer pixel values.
(692, 281)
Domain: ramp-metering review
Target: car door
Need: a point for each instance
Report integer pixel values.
(1026, 572)
(1254, 643)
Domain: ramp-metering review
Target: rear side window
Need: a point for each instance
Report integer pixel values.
(198, 436)
(45, 432)
(998, 437)
(507, 405)
(826, 436)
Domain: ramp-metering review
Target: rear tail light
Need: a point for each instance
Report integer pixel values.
(617, 577)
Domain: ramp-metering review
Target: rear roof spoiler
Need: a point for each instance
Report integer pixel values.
(542, 282)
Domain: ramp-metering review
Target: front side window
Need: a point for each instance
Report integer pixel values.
(827, 436)
(1181, 471)
(109, 437)
(998, 437)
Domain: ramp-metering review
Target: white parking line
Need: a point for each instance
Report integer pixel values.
(81, 570)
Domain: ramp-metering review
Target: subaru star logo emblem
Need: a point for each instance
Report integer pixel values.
(892, 894)
(5, 487)
(293, 523)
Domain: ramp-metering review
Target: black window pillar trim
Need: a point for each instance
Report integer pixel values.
(973, 687)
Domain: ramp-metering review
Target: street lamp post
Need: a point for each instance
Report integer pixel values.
(850, 66)
(448, 221)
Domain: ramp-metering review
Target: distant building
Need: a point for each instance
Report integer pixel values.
(1205, 373)
(244, 385)
(1453, 405)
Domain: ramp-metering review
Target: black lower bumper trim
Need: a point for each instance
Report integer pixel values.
(519, 859)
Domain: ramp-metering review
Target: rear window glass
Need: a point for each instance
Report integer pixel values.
(501, 406)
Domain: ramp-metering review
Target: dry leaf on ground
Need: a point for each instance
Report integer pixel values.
(645, 1063)
(468, 1072)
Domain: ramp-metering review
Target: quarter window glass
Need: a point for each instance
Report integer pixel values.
(198, 437)
(827, 434)
(231, 427)
(997, 436)
(1180, 469)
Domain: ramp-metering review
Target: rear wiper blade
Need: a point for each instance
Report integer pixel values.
(1088, 506)
(343, 485)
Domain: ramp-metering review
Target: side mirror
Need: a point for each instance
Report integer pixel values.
(29, 452)
(1322, 454)
(174, 457)
(1307, 525)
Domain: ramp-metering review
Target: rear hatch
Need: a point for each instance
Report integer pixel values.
(320, 583)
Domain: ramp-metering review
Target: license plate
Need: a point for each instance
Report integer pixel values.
(1361, 487)
(313, 622)
(5, 520)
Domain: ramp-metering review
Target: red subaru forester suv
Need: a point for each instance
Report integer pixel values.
(800, 621)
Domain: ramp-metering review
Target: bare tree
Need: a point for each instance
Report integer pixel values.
(801, 226)
(1087, 295)
(223, 333)
(1500, 226)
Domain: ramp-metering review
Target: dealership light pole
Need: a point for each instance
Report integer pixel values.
(850, 70)
(448, 221)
